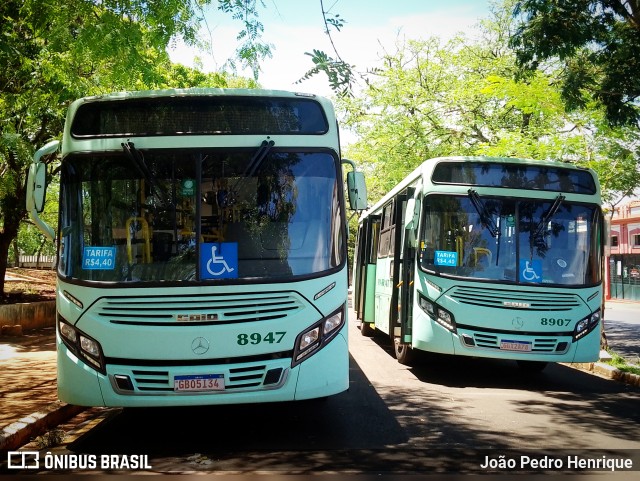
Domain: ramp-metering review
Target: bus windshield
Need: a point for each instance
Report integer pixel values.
(523, 241)
(158, 215)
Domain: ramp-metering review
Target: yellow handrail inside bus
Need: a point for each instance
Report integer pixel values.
(146, 246)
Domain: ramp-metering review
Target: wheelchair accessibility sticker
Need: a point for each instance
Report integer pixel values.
(219, 260)
(531, 271)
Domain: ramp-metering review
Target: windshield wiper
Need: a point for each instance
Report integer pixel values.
(258, 157)
(548, 215)
(138, 161)
(485, 218)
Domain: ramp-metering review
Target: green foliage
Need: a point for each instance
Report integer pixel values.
(251, 49)
(464, 97)
(596, 43)
(54, 52)
(621, 364)
(338, 72)
(613, 154)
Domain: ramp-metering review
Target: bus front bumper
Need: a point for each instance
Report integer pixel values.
(322, 374)
(433, 337)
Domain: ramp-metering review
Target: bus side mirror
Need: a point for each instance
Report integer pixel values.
(411, 214)
(411, 221)
(37, 187)
(357, 190)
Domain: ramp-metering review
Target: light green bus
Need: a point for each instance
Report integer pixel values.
(202, 251)
(485, 257)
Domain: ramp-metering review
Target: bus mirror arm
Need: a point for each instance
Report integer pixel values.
(356, 188)
(37, 188)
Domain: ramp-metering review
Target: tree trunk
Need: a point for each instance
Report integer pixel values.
(13, 207)
(5, 243)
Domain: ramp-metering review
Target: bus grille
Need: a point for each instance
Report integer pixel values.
(205, 309)
(548, 345)
(508, 299)
(239, 378)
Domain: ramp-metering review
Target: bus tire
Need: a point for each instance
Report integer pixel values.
(532, 366)
(366, 329)
(404, 353)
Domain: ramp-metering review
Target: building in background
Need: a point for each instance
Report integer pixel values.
(623, 261)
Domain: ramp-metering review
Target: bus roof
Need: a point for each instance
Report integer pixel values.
(197, 92)
(426, 168)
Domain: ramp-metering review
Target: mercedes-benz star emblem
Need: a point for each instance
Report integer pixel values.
(517, 322)
(199, 345)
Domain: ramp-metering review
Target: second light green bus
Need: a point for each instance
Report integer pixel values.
(485, 257)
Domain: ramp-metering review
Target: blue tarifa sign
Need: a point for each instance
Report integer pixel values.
(99, 258)
(219, 260)
(446, 258)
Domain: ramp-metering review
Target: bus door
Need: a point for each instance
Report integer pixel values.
(365, 275)
(396, 295)
(406, 258)
(386, 270)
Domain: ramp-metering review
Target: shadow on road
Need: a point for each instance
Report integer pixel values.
(406, 427)
(570, 398)
(357, 418)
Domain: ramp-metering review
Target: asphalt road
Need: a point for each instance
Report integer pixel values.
(442, 416)
(622, 326)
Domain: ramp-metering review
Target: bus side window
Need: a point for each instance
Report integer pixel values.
(386, 234)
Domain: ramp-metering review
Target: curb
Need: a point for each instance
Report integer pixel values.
(606, 371)
(30, 315)
(21, 432)
(24, 430)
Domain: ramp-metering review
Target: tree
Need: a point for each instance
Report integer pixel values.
(339, 73)
(596, 45)
(432, 99)
(54, 52)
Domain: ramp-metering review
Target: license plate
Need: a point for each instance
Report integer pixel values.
(515, 345)
(201, 382)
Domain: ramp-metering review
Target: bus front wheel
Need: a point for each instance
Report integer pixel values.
(404, 353)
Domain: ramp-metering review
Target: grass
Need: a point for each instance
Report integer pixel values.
(620, 363)
(50, 438)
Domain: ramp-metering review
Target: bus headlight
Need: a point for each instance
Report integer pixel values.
(445, 319)
(428, 307)
(84, 347)
(68, 332)
(438, 314)
(586, 325)
(333, 322)
(317, 336)
(89, 346)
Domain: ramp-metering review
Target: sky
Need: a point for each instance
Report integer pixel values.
(294, 27)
